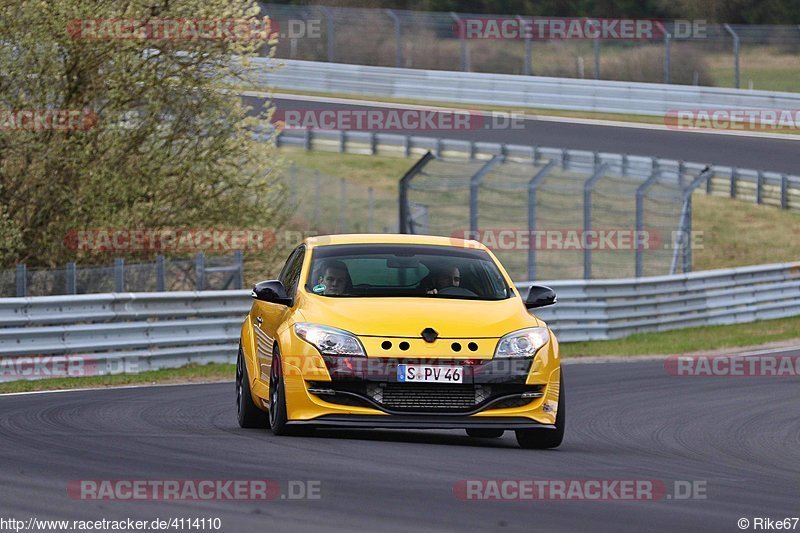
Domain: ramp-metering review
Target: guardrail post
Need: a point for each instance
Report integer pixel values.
(734, 176)
(331, 30)
(119, 274)
(533, 184)
(759, 187)
(474, 187)
(407, 145)
(307, 139)
(709, 184)
(72, 278)
(200, 271)
(405, 181)
(22, 280)
(342, 142)
(784, 192)
(588, 186)
(398, 45)
(373, 141)
(238, 258)
(640, 192)
(161, 273)
(735, 54)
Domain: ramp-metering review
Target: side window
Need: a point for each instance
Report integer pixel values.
(291, 272)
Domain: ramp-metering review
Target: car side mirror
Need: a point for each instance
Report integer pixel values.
(271, 291)
(540, 296)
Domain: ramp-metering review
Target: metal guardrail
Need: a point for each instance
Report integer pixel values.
(135, 332)
(749, 185)
(513, 90)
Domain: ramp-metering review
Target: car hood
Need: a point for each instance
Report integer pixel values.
(407, 317)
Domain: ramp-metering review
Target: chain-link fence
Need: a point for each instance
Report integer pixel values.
(199, 273)
(325, 204)
(682, 52)
(559, 217)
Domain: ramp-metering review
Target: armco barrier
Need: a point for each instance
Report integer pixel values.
(144, 331)
(654, 99)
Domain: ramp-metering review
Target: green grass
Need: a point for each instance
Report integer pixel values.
(690, 340)
(187, 374)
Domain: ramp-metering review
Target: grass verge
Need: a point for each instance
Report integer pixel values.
(188, 374)
(690, 340)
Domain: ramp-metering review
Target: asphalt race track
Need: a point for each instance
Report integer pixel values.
(760, 153)
(626, 421)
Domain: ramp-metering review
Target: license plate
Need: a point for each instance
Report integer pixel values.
(429, 374)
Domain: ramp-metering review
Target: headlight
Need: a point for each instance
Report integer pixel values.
(328, 340)
(522, 343)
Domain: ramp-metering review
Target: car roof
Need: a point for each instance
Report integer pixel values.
(391, 238)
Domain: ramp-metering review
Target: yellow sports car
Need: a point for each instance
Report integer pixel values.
(399, 331)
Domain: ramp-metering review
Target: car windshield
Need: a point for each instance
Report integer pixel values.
(381, 270)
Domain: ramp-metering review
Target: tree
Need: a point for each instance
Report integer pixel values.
(98, 131)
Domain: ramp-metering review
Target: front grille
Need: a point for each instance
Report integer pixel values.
(428, 397)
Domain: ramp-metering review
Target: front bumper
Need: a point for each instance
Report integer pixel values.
(420, 422)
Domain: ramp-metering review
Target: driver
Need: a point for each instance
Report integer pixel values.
(445, 277)
(335, 277)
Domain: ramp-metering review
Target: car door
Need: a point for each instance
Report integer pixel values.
(267, 317)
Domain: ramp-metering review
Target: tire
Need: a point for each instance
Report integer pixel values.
(481, 433)
(277, 397)
(542, 439)
(249, 415)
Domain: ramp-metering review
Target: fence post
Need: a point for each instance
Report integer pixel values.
(22, 280)
(403, 188)
(72, 281)
(342, 226)
(527, 60)
(331, 27)
(532, 185)
(588, 186)
(317, 194)
(398, 45)
(161, 273)
(597, 58)
(640, 192)
(200, 270)
(735, 54)
(667, 57)
(370, 208)
(462, 37)
(238, 258)
(119, 274)
(474, 187)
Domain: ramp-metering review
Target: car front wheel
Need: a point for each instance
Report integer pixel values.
(248, 414)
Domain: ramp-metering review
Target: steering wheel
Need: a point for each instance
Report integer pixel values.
(455, 291)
